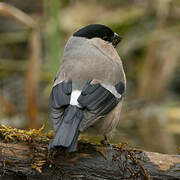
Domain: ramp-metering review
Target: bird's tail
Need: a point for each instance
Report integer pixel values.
(68, 131)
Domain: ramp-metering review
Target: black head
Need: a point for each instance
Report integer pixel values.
(99, 31)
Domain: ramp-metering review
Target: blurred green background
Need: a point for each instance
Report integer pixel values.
(32, 38)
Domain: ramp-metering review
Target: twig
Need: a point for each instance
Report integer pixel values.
(17, 14)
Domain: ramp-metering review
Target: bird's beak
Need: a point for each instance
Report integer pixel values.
(116, 39)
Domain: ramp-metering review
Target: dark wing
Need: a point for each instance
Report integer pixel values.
(68, 120)
(97, 101)
(64, 117)
(59, 99)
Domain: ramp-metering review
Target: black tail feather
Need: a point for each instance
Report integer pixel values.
(74, 143)
(68, 132)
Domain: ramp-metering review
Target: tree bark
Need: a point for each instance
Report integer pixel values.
(32, 161)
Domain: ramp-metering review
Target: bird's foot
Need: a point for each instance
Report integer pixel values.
(105, 141)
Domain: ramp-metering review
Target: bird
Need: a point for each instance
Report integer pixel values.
(89, 87)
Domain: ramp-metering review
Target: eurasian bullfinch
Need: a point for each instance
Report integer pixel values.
(89, 86)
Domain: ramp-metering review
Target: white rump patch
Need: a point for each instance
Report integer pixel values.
(74, 96)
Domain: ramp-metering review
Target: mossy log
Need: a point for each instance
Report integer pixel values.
(31, 160)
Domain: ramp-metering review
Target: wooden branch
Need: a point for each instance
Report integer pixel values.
(32, 161)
